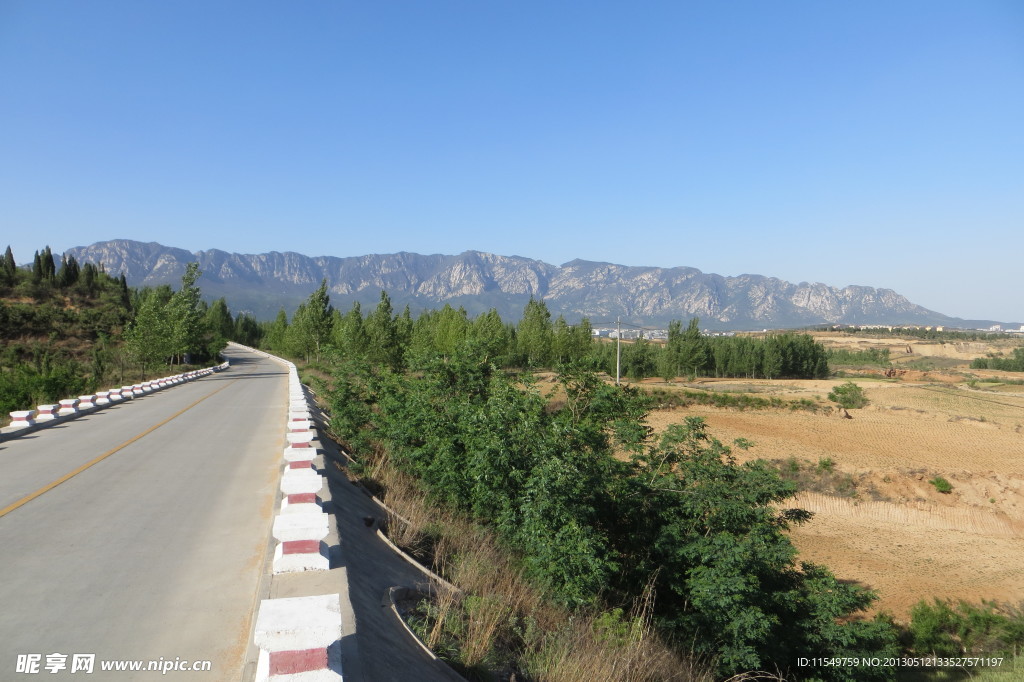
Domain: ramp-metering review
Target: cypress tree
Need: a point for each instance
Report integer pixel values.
(48, 267)
(8, 268)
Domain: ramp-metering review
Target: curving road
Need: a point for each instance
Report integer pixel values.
(156, 551)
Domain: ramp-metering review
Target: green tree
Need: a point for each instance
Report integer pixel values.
(694, 353)
(382, 335)
(184, 316)
(312, 325)
(219, 327)
(349, 334)
(246, 330)
(451, 328)
(276, 337)
(48, 267)
(534, 334)
(639, 359)
(848, 396)
(148, 337)
(492, 336)
(9, 268)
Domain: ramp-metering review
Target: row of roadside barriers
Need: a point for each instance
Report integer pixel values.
(72, 408)
(299, 638)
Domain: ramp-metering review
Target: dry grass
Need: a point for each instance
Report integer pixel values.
(607, 646)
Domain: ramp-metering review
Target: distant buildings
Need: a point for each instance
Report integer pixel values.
(649, 334)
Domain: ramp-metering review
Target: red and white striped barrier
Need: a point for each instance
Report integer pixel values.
(300, 446)
(295, 556)
(298, 638)
(71, 407)
(296, 481)
(299, 425)
(22, 419)
(47, 413)
(301, 503)
(289, 527)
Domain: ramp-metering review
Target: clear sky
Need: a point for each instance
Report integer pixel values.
(874, 143)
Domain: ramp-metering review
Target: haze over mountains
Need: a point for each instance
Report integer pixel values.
(263, 283)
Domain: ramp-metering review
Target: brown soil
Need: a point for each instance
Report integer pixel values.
(898, 534)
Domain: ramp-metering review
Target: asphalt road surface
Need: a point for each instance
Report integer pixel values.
(154, 552)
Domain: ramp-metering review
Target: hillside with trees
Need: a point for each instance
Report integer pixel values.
(71, 328)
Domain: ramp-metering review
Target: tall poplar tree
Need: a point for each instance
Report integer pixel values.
(313, 322)
(534, 335)
(382, 335)
(184, 314)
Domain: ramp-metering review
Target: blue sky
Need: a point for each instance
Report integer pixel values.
(872, 143)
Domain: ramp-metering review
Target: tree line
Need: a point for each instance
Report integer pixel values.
(1014, 363)
(536, 341)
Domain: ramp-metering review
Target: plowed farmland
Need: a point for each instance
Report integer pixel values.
(890, 528)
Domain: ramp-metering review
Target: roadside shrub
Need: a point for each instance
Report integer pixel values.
(942, 629)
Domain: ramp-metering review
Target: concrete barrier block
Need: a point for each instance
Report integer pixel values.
(300, 439)
(47, 413)
(22, 419)
(85, 402)
(301, 555)
(114, 395)
(68, 407)
(301, 481)
(299, 454)
(301, 503)
(300, 425)
(289, 527)
(103, 398)
(298, 623)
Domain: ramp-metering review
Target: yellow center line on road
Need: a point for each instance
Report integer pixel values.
(50, 486)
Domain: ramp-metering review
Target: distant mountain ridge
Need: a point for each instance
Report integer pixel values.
(263, 283)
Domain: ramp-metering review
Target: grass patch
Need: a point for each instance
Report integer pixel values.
(820, 478)
(665, 399)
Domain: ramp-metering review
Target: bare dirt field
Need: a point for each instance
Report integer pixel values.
(894, 531)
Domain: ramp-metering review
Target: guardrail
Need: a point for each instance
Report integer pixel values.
(28, 421)
(299, 635)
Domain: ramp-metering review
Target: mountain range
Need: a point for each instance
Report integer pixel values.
(264, 283)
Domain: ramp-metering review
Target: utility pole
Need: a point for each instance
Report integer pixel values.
(618, 348)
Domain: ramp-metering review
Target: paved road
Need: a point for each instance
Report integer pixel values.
(157, 550)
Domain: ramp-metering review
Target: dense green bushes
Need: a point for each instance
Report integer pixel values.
(597, 509)
(870, 356)
(987, 629)
(1014, 363)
